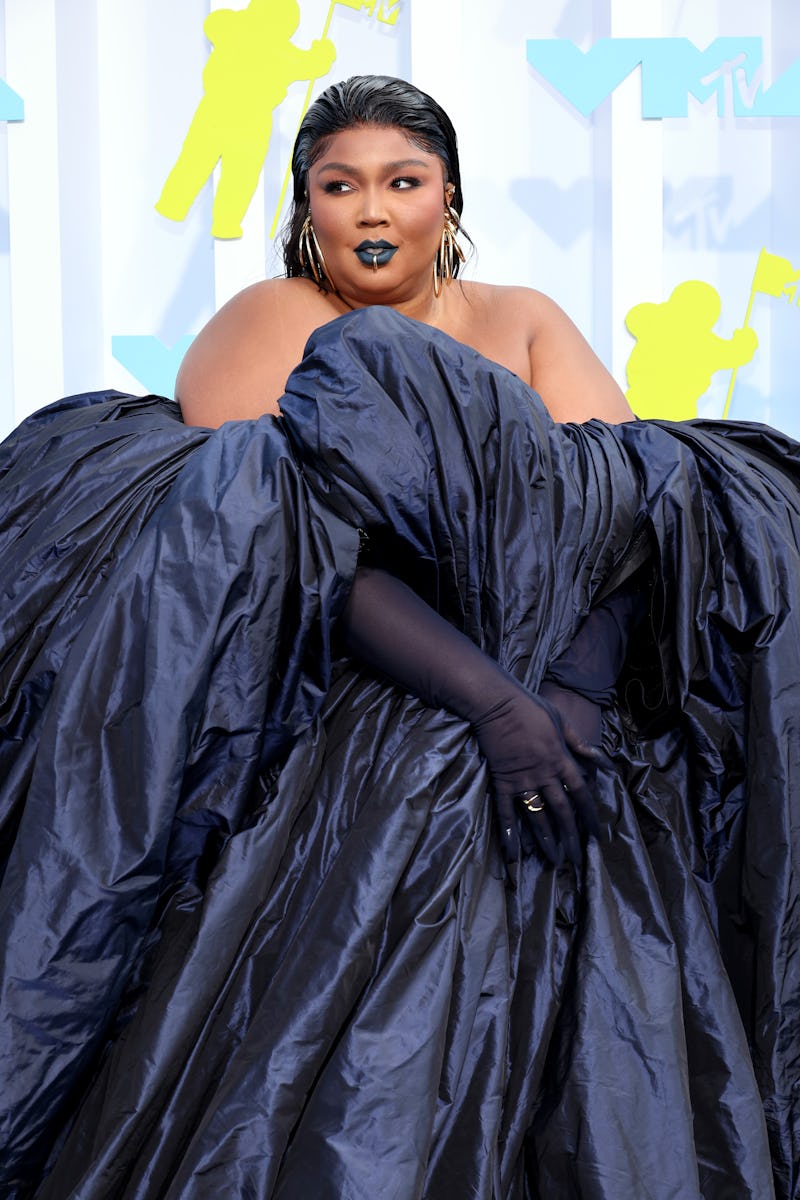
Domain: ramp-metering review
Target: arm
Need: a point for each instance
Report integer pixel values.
(237, 366)
(391, 629)
(566, 372)
(738, 349)
(582, 681)
(314, 62)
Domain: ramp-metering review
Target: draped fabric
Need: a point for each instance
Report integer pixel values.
(258, 937)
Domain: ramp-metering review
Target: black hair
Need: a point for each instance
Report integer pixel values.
(360, 101)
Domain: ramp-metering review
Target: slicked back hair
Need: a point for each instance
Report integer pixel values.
(367, 100)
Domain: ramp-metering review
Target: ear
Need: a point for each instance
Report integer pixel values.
(449, 192)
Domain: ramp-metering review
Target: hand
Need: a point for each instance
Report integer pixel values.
(536, 778)
(326, 50)
(527, 746)
(745, 343)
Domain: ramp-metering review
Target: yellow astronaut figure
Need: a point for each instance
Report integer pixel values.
(247, 75)
(677, 352)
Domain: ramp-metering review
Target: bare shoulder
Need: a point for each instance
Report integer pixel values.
(510, 318)
(505, 296)
(237, 366)
(485, 317)
(531, 312)
(562, 367)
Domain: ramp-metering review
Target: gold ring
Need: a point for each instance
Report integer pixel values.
(532, 801)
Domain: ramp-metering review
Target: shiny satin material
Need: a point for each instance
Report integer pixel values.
(258, 937)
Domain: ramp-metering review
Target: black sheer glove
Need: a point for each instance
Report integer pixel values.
(585, 716)
(581, 682)
(529, 750)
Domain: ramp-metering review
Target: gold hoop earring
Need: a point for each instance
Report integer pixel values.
(449, 252)
(311, 257)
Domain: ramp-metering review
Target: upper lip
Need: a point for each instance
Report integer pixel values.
(381, 245)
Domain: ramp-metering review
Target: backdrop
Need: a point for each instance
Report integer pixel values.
(638, 162)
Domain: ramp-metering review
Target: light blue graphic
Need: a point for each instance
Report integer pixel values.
(702, 213)
(565, 214)
(731, 68)
(150, 361)
(12, 107)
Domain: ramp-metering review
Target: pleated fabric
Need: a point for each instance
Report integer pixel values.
(258, 937)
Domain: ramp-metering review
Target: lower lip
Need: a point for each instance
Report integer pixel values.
(376, 258)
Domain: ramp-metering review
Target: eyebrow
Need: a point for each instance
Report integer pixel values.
(400, 165)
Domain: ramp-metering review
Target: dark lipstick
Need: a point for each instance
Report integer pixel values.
(375, 254)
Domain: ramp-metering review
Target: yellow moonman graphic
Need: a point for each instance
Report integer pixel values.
(248, 73)
(677, 351)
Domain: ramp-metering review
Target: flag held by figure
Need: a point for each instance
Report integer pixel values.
(775, 276)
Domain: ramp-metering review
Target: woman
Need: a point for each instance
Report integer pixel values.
(375, 220)
(254, 951)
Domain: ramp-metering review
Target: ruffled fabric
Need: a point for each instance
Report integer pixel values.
(259, 940)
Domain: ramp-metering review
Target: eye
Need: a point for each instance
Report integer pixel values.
(405, 181)
(336, 185)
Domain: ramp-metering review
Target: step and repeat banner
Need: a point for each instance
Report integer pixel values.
(637, 162)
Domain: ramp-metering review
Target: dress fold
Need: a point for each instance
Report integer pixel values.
(258, 937)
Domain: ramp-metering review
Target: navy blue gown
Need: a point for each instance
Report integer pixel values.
(258, 938)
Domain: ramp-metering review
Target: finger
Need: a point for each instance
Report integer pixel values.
(539, 825)
(597, 756)
(507, 822)
(561, 813)
(583, 749)
(547, 841)
(585, 805)
(580, 797)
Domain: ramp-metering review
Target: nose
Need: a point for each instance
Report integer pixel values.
(373, 209)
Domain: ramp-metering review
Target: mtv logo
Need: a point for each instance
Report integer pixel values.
(730, 70)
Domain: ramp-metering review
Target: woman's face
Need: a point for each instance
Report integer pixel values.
(377, 205)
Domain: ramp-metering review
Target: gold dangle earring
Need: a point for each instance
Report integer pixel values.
(311, 257)
(449, 252)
